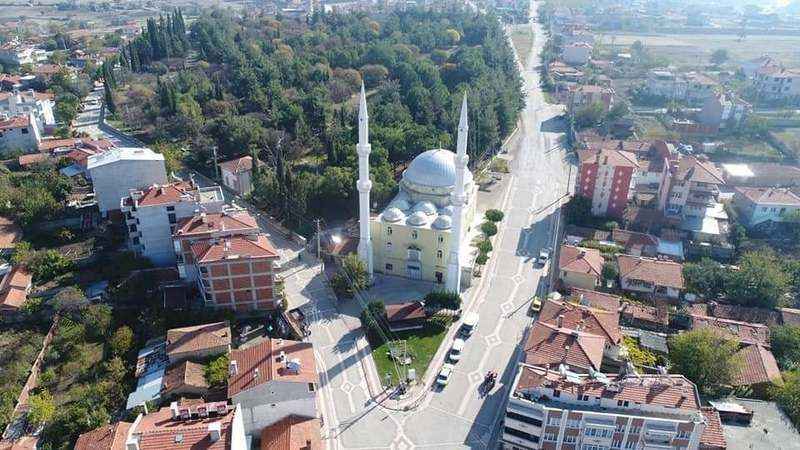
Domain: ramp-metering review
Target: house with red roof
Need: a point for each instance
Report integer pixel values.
(237, 174)
(273, 380)
(765, 205)
(292, 433)
(659, 279)
(586, 319)
(198, 342)
(579, 351)
(580, 267)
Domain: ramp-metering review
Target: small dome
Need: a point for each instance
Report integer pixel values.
(426, 207)
(400, 204)
(447, 211)
(418, 219)
(442, 223)
(393, 215)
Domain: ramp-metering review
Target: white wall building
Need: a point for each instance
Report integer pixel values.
(578, 54)
(152, 215)
(115, 172)
(16, 54)
(20, 133)
(665, 83)
(29, 102)
(757, 205)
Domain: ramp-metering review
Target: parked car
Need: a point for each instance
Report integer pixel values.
(536, 304)
(469, 325)
(456, 350)
(444, 375)
(544, 256)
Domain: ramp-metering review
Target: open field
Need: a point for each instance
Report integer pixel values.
(747, 148)
(522, 37)
(790, 138)
(422, 345)
(696, 49)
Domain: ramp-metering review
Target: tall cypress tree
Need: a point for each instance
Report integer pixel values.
(109, 98)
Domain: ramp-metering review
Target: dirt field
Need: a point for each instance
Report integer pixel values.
(522, 37)
(695, 49)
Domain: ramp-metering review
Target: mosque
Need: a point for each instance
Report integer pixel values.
(423, 232)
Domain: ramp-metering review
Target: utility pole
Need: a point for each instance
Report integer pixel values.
(319, 253)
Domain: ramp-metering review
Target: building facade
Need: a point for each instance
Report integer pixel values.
(29, 102)
(20, 133)
(237, 174)
(605, 177)
(757, 206)
(152, 215)
(578, 54)
(116, 172)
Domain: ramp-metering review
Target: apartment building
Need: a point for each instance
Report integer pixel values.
(723, 111)
(152, 215)
(776, 83)
(604, 177)
(115, 172)
(558, 409)
(207, 226)
(694, 187)
(238, 272)
(586, 95)
(666, 84)
(26, 102)
(577, 54)
(15, 53)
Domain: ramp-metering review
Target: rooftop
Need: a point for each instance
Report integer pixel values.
(695, 169)
(117, 154)
(10, 233)
(758, 366)
(292, 433)
(273, 359)
(107, 437)
(186, 374)
(14, 288)
(405, 311)
(712, 437)
(645, 313)
(159, 430)
(548, 344)
(206, 224)
(608, 156)
(660, 273)
(595, 299)
(770, 195)
(744, 332)
(581, 260)
(769, 428)
(15, 122)
(233, 247)
(238, 165)
(198, 337)
(583, 318)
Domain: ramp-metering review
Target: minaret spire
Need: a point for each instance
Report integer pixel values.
(364, 184)
(459, 198)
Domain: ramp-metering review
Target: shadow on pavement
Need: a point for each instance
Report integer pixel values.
(553, 125)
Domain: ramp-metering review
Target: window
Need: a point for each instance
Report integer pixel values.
(389, 231)
(585, 398)
(172, 218)
(441, 239)
(136, 241)
(556, 393)
(203, 269)
(635, 430)
(389, 267)
(569, 439)
(616, 443)
(554, 421)
(311, 387)
(550, 436)
(521, 434)
(388, 246)
(574, 423)
(414, 234)
(170, 208)
(24, 131)
(525, 419)
(439, 254)
(682, 435)
(132, 228)
(630, 444)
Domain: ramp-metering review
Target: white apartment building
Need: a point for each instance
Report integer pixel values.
(776, 83)
(20, 133)
(16, 54)
(29, 102)
(557, 409)
(152, 215)
(758, 205)
(115, 172)
(578, 54)
(665, 83)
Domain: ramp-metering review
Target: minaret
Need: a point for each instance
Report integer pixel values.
(364, 184)
(459, 198)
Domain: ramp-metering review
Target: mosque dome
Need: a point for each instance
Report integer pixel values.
(426, 207)
(400, 204)
(393, 215)
(433, 169)
(442, 223)
(418, 219)
(447, 210)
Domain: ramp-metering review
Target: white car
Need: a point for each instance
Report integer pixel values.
(544, 255)
(456, 349)
(444, 375)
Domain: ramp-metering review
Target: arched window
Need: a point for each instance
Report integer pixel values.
(389, 246)
(389, 231)
(441, 239)
(414, 234)
(439, 254)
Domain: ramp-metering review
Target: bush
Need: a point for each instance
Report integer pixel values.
(484, 246)
(443, 299)
(494, 215)
(481, 259)
(371, 319)
(121, 341)
(489, 229)
(216, 371)
(351, 277)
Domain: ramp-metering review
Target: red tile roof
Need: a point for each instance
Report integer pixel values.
(10, 233)
(581, 260)
(107, 437)
(15, 122)
(33, 158)
(713, 437)
(186, 374)
(198, 337)
(629, 239)
(292, 433)
(769, 195)
(590, 320)
(159, 431)
(238, 165)
(678, 392)
(266, 359)
(233, 247)
(744, 332)
(405, 311)
(14, 288)
(164, 194)
(52, 144)
(548, 344)
(692, 168)
(758, 366)
(643, 313)
(660, 273)
(207, 224)
(763, 316)
(595, 299)
(608, 156)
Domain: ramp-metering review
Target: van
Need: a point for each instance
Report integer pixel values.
(470, 324)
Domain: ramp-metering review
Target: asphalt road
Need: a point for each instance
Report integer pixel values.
(458, 416)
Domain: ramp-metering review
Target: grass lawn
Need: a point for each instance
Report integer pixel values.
(522, 37)
(422, 345)
(790, 137)
(74, 374)
(736, 147)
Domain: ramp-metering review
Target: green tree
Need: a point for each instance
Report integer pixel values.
(578, 211)
(590, 115)
(785, 341)
(351, 277)
(111, 106)
(41, 408)
(787, 395)
(121, 341)
(705, 357)
(760, 281)
(494, 215)
(373, 318)
(443, 299)
(719, 56)
(610, 271)
(488, 229)
(216, 371)
(707, 278)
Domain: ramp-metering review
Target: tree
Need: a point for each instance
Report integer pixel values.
(705, 357)
(41, 408)
(760, 281)
(216, 371)
(610, 271)
(489, 229)
(69, 300)
(719, 56)
(443, 299)
(785, 341)
(351, 277)
(707, 278)
(109, 99)
(578, 210)
(788, 395)
(494, 215)
(372, 319)
(121, 341)
(590, 115)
